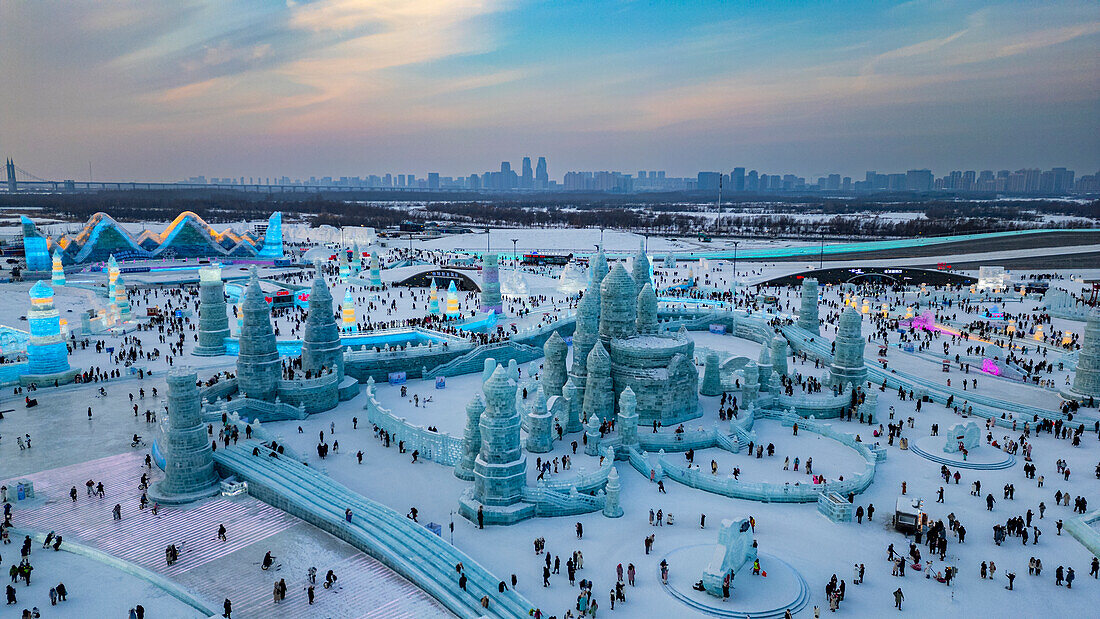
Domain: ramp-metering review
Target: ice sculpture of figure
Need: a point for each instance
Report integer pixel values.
(573, 279)
(735, 549)
(962, 436)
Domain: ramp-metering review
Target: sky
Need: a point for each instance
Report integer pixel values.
(164, 90)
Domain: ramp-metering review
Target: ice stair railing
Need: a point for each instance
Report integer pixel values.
(825, 401)
(276, 411)
(639, 459)
(219, 390)
(671, 441)
(1083, 529)
(414, 552)
(324, 380)
(549, 503)
(435, 446)
(473, 360)
(561, 318)
(585, 482)
(213, 416)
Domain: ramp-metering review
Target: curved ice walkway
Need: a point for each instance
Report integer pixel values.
(407, 548)
(984, 406)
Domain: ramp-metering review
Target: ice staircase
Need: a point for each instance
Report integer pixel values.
(474, 361)
(410, 550)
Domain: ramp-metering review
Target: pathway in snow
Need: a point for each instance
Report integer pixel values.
(212, 568)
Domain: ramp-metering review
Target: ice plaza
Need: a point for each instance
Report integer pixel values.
(209, 422)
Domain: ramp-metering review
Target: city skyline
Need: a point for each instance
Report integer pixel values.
(159, 91)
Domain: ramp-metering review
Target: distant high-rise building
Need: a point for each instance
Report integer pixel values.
(433, 180)
(527, 181)
(752, 181)
(918, 180)
(737, 179)
(542, 177)
(708, 181)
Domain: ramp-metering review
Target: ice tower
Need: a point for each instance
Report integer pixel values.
(1086, 379)
(47, 352)
(500, 469)
(490, 286)
(848, 365)
(213, 322)
(808, 317)
(433, 299)
(347, 311)
(58, 274)
(452, 301)
(122, 301)
(321, 347)
(375, 271)
(188, 459)
(258, 366)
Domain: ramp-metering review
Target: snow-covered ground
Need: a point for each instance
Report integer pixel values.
(817, 548)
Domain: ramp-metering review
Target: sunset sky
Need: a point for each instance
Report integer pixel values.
(164, 90)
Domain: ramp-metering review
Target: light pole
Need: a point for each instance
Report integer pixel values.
(515, 265)
(735, 259)
(821, 258)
